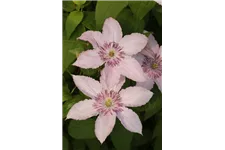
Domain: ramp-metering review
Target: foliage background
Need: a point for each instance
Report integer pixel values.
(133, 16)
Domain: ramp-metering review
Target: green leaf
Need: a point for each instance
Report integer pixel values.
(89, 20)
(66, 93)
(141, 8)
(79, 2)
(65, 143)
(158, 143)
(78, 144)
(157, 12)
(82, 129)
(93, 144)
(105, 9)
(121, 137)
(68, 6)
(89, 72)
(72, 21)
(69, 103)
(154, 106)
(158, 129)
(78, 31)
(139, 140)
(129, 23)
(69, 57)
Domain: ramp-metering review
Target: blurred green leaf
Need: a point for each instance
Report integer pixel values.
(89, 72)
(68, 104)
(69, 57)
(77, 32)
(141, 8)
(155, 103)
(78, 144)
(89, 20)
(68, 6)
(158, 143)
(82, 129)
(105, 9)
(139, 140)
(158, 129)
(65, 143)
(93, 144)
(129, 23)
(79, 2)
(72, 21)
(121, 137)
(66, 93)
(157, 12)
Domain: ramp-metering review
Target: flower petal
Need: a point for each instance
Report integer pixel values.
(89, 59)
(147, 84)
(111, 78)
(111, 30)
(82, 110)
(87, 85)
(158, 81)
(93, 37)
(139, 57)
(135, 96)
(153, 44)
(133, 43)
(130, 68)
(104, 126)
(130, 120)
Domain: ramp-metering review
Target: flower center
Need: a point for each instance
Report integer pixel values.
(111, 53)
(154, 66)
(108, 102)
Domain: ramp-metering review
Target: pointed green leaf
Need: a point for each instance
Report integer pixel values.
(72, 21)
(105, 9)
(82, 129)
(141, 8)
(89, 20)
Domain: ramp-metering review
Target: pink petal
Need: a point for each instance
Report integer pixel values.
(153, 44)
(104, 126)
(112, 30)
(87, 85)
(130, 120)
(82, 110)
(147, 84)
(139, 57)
(93, 37)
(133, 43)
(111, 79)
(159, 2)
(158, 81)
(160, 50)
(130, 68)
(135, 96)
(89, 59)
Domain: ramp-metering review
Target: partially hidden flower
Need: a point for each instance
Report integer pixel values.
(158, 1)
(108, 102)
(150, 59)
(113, 50)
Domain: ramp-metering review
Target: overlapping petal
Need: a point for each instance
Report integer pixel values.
(147, 84)
(158, 81)
(94, 37)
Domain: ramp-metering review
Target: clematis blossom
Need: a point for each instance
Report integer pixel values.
(108, 102)
(113, 50)
(150, 59)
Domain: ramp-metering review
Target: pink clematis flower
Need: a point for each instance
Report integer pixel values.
(150, 59)
(107, 102)
(113, 50)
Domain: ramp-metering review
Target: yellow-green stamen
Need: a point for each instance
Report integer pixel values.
(111, 53)
(108, 102)
(154, 66)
